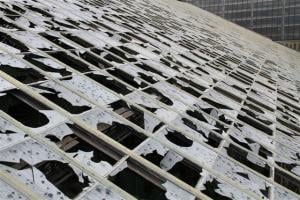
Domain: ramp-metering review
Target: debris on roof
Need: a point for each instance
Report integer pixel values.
(140, 99)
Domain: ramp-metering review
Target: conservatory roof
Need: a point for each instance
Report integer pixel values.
(140, 99)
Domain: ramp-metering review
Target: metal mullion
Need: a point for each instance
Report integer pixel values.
(204, 144)
(226, 136)
(53, 58)
(81, 59)
(245, 100)
(231, 126)
(93, 68)
(274, 137)
(34, 135)
(272, 192)
(83, 194)
(98, 106)
(118, 49)
(19, 186)
(15, 143)
(272, 189)
(239, 112)
(114, 77)
(203, 93)
(105, 138)
(103, 19)
(272, 150)
(134, 63)
(116, 115)
(115, 46)
(148, 113)
(189, 135)
(149, 84)
(61, 153)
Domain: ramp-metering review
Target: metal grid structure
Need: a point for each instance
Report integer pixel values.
(138, 99)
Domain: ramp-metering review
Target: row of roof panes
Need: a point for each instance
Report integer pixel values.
(161, 97)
